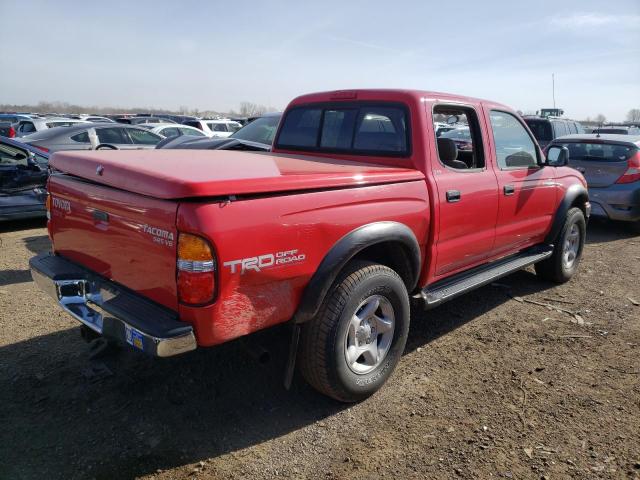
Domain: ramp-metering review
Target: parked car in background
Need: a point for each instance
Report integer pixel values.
(546, 129)
(257, 135)
(139, 120)
(617, 130)
(33, 125)
(23, 178)
(461, 136)
(92, 136)
(92, 118)
(611, 166)
(15, 117)
(173, 130)
(177, 118)
(7, 129)
(215, 128)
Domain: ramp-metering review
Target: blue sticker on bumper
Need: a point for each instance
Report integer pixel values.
(134, 337)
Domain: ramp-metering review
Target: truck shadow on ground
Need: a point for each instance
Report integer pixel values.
(26, 224)
(126, 415)
(600, 231)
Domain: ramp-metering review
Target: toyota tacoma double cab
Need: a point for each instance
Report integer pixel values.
(360, 211)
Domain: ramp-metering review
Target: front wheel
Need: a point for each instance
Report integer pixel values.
(567, 250)
(352, 346)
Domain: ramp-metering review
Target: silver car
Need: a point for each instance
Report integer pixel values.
(32, 125)
(93, 136)
(611, 166)
(172, 129)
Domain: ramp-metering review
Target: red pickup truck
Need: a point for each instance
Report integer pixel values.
(359, 210)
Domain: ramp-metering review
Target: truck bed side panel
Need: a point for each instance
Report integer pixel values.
(282, 240)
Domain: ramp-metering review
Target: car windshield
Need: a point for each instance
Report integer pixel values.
(541, 129)
(599, 152)
(261, 130)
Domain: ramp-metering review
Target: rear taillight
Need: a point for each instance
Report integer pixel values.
(12, 132)
(196, 270)
(47, 204)
(633, 170)
(44, 149)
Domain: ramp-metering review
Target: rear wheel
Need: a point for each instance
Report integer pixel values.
(567, 250)
(354, 343)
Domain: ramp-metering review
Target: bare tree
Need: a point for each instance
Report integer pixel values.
(600, 118)
(248, 109)
(633, 115)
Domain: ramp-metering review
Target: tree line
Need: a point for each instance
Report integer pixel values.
(246, 109)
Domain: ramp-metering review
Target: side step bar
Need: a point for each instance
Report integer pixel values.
(445, 290)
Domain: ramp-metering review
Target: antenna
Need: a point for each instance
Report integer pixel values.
(553, 89)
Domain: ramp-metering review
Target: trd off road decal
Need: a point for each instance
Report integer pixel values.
(268, 260)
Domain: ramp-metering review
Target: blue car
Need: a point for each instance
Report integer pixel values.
(611, 165)
(23, 177)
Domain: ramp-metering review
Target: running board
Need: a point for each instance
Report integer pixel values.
(450, 288)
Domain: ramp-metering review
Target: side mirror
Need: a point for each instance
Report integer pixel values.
(557, 156)
(452, 120)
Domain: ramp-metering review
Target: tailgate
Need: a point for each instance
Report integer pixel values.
(123, 236)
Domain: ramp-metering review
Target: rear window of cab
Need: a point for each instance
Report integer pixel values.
(355, 129)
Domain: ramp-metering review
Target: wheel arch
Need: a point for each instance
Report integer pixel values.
(575, 196)
(392, 244)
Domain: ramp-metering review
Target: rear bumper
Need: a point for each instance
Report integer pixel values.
(617, 202)
(110, 309)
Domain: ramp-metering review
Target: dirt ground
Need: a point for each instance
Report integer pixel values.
(492, 385)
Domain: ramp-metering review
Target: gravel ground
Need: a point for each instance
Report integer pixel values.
(495, 384)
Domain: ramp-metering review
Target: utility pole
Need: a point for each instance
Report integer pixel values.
(553, 89)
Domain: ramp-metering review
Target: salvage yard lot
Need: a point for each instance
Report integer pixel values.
(520, 379)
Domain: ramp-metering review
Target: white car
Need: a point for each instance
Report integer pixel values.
(172, 129)
(215, 128)
(33, 125)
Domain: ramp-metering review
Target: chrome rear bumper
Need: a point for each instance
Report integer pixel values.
(110, 310)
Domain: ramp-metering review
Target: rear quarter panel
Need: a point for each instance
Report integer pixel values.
(301, 225)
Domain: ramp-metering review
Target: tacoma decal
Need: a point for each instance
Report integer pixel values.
(256, 264)
(160, 236)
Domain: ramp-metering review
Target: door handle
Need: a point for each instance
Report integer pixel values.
(509, 189)
(453, 196)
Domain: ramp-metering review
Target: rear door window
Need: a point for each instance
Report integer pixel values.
(170, 132)
(356, 129)
(113, 136)
(218, 127)
(143, 137)
(560, 129)
(81, 137)
(541, 129)
(190, 131)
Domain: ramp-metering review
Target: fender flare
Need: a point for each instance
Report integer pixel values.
(346, 249)
(573, 193)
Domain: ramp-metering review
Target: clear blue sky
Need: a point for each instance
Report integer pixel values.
(213, 54)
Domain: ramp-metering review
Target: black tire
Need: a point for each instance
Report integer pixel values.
(555, 268)
(322, 358)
